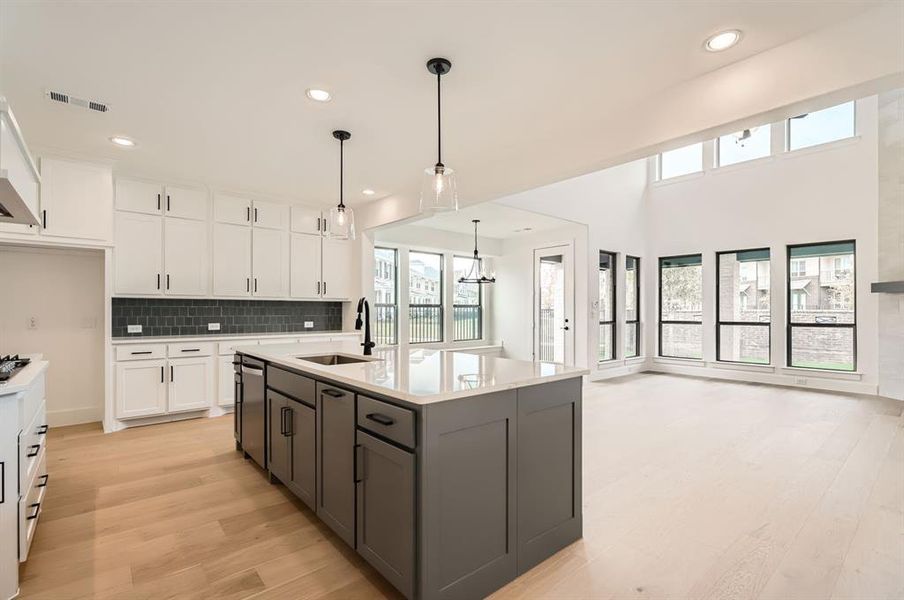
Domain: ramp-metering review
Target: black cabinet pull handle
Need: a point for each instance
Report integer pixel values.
(42, 430)
(255, 285)
(37, 507)
(358, 469)
(282, 420)
(248, 213)
(167, 281)
(44, 218)
(333, 393)
(255, 214)
(158, 201)
(290, 421)
(171, 374)
(193, 350)
(318, 288)
(33, 450)
(161, 374)
(158, 281)
(167, 203)
(381, 419)
(318, 223)
(44, 482)
(324, 288)
(141, 352)
(247, 284)
(2, 482)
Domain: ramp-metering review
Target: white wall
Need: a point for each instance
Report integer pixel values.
(64, 291)
(825, 193)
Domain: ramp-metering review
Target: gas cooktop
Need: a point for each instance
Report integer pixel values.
(10, 365)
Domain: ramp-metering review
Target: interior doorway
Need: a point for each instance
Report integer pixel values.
(553, 322)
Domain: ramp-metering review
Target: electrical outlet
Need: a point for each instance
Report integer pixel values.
(309, 324)
(32, 322)
(800, 381)
(133, 328)
(213, 327)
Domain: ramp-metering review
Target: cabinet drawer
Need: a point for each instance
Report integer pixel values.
(32, 442)
(295, 386)
(30, 505)
(140, 351)
(388, 420)
(189, 349)
(34, 399)
(224, 348)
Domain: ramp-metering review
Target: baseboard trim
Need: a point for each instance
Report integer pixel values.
(813, 382)
(75, 416)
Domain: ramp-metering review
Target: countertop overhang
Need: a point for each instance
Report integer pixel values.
(416, 375)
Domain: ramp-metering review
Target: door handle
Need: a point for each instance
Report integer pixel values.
(161, 374)
(33, 450)
(252, 371)
(37, 507)
(255, 214)
(158, 201)
(191, 350)
(2, 482)
(324, 288)
(282, 420)
(247, 284)
(290, 422)
(167, 281)
(158, 281)
(358, 466)
(333, 393)
(318, 288)
(566, 328)
(171, 378)
(167, 203)
(42, 430)
(248, 213)
(44, 482)
(381, 419)
(255, 285)
(142, 352)
(44, 218)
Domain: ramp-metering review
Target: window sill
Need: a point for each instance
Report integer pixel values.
(670, 360)
(849, 141)
(737, 366)
(744, 164)
(824, 373)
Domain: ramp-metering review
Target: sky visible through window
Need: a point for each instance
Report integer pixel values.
(822, 126)
(738, 147)
(681, 161)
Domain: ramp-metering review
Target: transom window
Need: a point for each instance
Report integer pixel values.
(747, 144)
(681, 161)
(821, 127)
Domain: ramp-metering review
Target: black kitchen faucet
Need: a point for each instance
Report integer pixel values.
(364, 306)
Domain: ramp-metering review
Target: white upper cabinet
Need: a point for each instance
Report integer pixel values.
(338, 268)
(270, 269)
(307, 220)
(137, 254)
(305, 280)
(270, 215)
(186, 203)
(231, 209)
(185, 257)
(231, 260)
(76, 199)
(139, 196)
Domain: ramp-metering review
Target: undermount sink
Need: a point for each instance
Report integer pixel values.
(334, 359)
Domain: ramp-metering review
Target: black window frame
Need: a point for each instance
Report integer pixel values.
(720, 322)
(442, 291)
(613, 269)
(790, 326)
(636, 320)
(479, 305)
(681, 322)
(395, 295)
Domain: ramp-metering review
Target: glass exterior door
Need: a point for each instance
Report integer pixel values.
(553, 302)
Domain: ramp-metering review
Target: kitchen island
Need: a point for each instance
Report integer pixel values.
(451, 473)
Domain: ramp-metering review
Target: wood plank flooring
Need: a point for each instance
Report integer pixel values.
(692, 489)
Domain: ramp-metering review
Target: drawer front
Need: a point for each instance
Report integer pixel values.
(272, 341)
(388, 420)
(31, 504)
(32, 441)
(189, 349)
(295, 386)
(34, 399)
(140, 351)
(224, 348)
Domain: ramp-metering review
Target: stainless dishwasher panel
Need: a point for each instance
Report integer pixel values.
(254, 411)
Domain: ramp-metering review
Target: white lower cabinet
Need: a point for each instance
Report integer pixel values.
(190, 384)
(226, 381)
(140, 388)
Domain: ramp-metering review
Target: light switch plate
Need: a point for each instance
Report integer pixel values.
(133, 328)
(309, 324)
(213, 327)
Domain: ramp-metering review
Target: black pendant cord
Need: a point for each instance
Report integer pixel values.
(475, 241)
(439, 119)
(341, 173)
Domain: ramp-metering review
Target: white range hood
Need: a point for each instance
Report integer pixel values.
(19, 177)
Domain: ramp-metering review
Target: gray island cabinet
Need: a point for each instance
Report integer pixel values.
(448, 489)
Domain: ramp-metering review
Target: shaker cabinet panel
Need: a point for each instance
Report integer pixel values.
(139, 196)
(278, 441)
(190, 384)
(301, 423)
(76, 199)
(270, 260)
(270, 215)
(231, 260)
(305, 260)
(186, 203)
(231, 209)
(140, 388)
(137, 255)
(307, 220)
(339, 269)
(335, 463)
(225, 381)
(186, 257)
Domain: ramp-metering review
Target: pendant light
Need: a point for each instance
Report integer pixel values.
(478, 273)
(342, 218)
(439, 192)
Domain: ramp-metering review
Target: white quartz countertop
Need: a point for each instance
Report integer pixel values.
(419, 376)
(23, 380)
(219, 337)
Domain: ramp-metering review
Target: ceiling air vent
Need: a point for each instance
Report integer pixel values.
(65, 98)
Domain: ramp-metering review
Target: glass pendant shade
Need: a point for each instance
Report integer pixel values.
(439, 192)
(342, 223)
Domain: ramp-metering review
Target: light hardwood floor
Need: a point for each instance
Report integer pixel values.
(692, 489)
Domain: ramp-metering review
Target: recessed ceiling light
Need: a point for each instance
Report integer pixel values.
(368, 192)
(723, 40)
(318, 95)
(122, 141)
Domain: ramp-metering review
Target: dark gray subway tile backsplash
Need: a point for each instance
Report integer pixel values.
(175, 317)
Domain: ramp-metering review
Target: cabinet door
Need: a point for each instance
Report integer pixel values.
(139, 196)
(302, 426)
(185, 257)
(231, 209)
(186, 203)
(339, 268)
(306, 220)
(225, 382)
(270, 259)
(190, 384)
(305, 264)
(137, 254)
(335, 465)
(140, 389)
(278, 437)
(231, 260)
(76, 199)
(270, 215)
(385, 499)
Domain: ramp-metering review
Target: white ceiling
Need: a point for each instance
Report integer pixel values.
(496, 221)
(214, 92)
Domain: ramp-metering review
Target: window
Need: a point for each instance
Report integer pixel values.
(747, 144)
(822, 316)
(681, 161)
(632, 306)
(607, 306)
(386, 296)
(425, 297)
(743, 330)
(681, 306)
(467, 305)
(822, 126)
